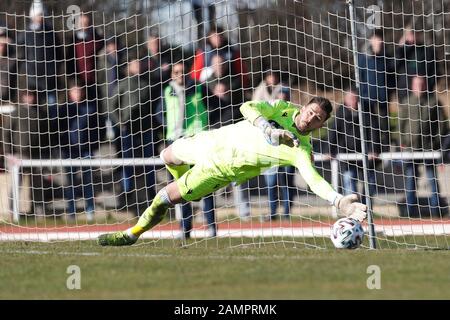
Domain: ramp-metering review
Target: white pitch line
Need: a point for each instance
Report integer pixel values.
(170, 234)
(61, 253)
(304, 232)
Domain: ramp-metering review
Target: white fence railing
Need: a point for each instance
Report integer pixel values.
(15, 166)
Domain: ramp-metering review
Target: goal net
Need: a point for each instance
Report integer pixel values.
(91, 94)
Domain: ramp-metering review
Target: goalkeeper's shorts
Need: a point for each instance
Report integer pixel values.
(205, 176)
(200, 181)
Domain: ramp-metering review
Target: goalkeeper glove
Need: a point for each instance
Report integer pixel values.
(350, 207)
(276, 136)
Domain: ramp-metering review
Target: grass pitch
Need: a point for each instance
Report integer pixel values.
(212, 270)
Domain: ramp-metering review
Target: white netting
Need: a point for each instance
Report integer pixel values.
(87, 104)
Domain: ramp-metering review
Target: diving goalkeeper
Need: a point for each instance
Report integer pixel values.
(276, 134)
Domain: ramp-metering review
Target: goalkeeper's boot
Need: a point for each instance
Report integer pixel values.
(120, 238)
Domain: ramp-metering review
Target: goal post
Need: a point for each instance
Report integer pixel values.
(90, 95)
(364, 151)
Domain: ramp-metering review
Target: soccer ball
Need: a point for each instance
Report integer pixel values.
(347, 233)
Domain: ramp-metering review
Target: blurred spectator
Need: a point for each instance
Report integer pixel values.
(222, 92)
(132, 109)
(110, 69)
(8, 72)
(376, 77)
(224, 96)
(185, 112)
(413, 57)
(21, 127)
(198, 8)
(282, 177)
(270, 88)
(218, 44)
(185, 115)
(82, 54)
(21, 140)
(40, 50)
(421, 124)
(217, 71)
(344, 137)
(79, 129)
(155, 67)
(221, 111)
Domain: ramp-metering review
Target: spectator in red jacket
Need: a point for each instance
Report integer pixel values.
(86, 46)
(218, 44)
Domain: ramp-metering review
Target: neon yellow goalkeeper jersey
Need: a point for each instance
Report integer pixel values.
(240, 151)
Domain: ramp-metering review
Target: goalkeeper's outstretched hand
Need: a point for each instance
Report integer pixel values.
(351, 208)
(281, 136)
(276, 136)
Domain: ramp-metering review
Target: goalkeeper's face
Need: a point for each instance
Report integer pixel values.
(311, 117)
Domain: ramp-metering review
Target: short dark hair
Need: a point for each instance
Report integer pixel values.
(323, 103)
(218, 29)
(270, 72)
(112, 40)
(27, 92)
(72, 82)
(352, 88)
(173, 64)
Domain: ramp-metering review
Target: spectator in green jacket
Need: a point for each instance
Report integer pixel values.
(184, 108)
(185, 114)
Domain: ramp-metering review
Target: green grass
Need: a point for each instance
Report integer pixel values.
(252, 269)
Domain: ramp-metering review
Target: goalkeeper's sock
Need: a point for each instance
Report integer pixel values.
(177, 170)
(152, 215)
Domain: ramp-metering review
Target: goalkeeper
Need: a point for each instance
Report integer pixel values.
(209, 160)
